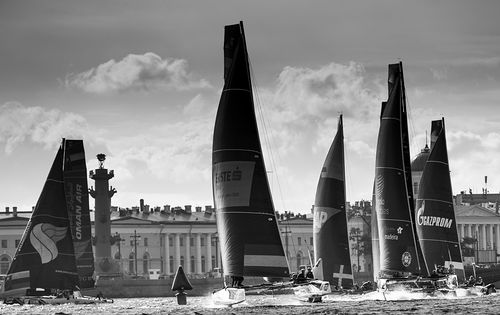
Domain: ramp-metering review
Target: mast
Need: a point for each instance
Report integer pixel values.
(246, 221)
(331, 240)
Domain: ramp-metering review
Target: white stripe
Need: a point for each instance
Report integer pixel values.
(390, 168)
(265, 261)
(237, 150)
(20, 274)
(444, 201)
(431, 239)
(233, 212)
(245, 90)
(440, 162)
(388, 118)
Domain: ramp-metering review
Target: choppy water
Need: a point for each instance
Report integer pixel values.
(372, 303)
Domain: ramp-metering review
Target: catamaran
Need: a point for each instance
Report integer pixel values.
(250, 239)
(411, 244)
(45, 268)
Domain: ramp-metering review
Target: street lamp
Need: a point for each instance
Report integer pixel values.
(136, 238)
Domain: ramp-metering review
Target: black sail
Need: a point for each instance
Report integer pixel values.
(246, 221)
(77, 201)
(45, 257)
(435, 219)
(398, 251)
(331, 240)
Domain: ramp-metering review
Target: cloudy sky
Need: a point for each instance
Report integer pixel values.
(140, 81)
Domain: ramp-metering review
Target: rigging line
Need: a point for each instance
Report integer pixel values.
(267, 130)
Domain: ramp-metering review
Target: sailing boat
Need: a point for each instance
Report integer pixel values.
(330, 235)
(45, 257)
(246, 222)
(45, 261)
(398, 249)
(435, 218)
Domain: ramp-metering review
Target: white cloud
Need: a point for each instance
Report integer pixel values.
(136, 72)
(19, 123)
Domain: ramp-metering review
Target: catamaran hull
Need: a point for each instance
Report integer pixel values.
(228, 296)
(313, 291)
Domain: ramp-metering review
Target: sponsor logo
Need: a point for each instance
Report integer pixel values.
(426, 220)
(400, 230)
(232, 183)
(321, 215)
(392, 237)
(43, 238)
(406, 259)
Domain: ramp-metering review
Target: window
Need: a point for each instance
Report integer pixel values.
(4, 243)
(145, 242)
(214, 263)
(131, 242)
(299, 260)
(4, 264)
(299, 241)
(145, 263)
(17, 243)
(117, 256)
(311, 241)
(203, 264)
(171, 260)
(192, 264)
(170, 241)
(181, 241)
(131, 258)
(182, 261)
(202, 241)
(212, 241)
(191, 241)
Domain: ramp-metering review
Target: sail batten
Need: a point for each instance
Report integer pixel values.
(246, 220)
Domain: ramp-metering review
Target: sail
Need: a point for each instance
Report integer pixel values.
(181, 282)
(77, 202)
(330, 235)
(435, 219)
(45, 256)
(398, 254)
(246, 221)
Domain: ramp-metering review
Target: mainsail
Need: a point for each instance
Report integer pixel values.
(393, 200)
(435, 218)
(330, 235)
(77, 201)
(45, 256)
(246, 222)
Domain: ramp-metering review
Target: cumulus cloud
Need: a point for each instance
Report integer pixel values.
(136, 72)
(19, 123)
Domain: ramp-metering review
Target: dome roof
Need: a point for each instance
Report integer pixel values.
(417, 165)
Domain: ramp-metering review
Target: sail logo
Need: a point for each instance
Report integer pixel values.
(43, 238)
(426, 220)
(232, 182)
(78, 212)
(406, 259)
(321, 215)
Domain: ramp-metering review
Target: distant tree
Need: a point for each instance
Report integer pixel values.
(467, 246)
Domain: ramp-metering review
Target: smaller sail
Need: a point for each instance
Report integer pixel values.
(77, 202)
(45, 256)
(435, 217)
(181, 282)
(330, 235)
